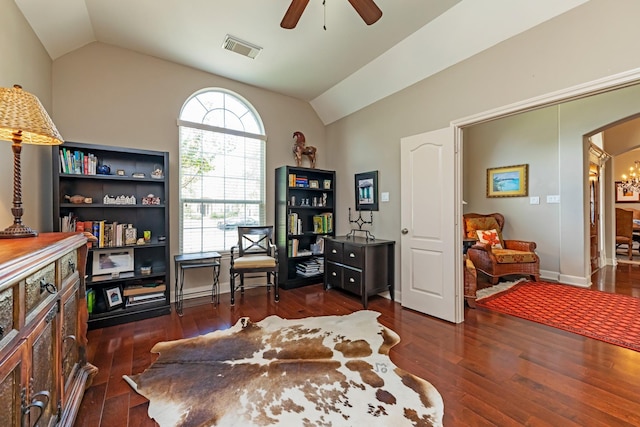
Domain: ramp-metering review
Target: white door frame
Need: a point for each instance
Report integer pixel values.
(605, 84)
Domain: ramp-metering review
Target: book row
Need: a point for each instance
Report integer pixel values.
(109, 234)
(77, 162)
(322, 223)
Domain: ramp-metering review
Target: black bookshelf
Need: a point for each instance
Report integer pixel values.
(311, 196)
(133, 173)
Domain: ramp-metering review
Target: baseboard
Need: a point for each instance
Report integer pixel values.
(583, 282)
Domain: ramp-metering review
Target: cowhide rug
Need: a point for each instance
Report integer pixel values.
(317, 371)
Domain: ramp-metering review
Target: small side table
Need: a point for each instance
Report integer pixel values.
(467, 243)
(196, 260)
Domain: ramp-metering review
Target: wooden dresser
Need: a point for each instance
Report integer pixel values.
(43, 323)
(361, 266)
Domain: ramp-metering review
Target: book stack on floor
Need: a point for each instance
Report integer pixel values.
(148, 293)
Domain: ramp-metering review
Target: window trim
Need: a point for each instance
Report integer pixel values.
(234, 132)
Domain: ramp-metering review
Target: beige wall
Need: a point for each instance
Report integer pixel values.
(555, 55)
(111, 96)
(25, 62)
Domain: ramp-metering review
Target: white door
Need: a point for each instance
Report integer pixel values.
(428, 193)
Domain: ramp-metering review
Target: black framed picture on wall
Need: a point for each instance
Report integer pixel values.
(366, 186)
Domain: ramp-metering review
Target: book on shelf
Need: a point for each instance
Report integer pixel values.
(310, 267)
(323, 223)
(144, 297)
(139, 302)
(317, 224)
(77, 162)
(294, 224)
(146, 289)
(294, 247)
(68, 222)
(91, 300)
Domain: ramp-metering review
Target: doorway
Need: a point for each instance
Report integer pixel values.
(578, 111)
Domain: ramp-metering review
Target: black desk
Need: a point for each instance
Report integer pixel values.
(364, 267)
(196, 260)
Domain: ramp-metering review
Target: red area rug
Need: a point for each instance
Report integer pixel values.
(611, 318)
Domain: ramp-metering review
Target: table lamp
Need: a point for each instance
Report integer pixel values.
(23, 119)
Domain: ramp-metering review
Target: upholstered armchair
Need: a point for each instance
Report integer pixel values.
(254, 255)
(494, 256)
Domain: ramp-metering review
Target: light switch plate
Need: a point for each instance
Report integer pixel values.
(384, 196)
(553, 198)
(534, 200)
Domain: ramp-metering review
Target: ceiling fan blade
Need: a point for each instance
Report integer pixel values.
(367, 10)
(293, 14)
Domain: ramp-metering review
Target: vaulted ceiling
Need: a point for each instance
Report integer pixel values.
(339, 69)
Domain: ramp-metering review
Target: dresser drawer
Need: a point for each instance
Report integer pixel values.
(333, 275)
(333, 251)
(8, 328)
(39, 286)
(352, 280)
(68, 265)
(353, 256)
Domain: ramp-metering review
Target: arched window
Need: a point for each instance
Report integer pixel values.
(222, 162)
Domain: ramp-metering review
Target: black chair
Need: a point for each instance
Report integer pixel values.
(254, 255)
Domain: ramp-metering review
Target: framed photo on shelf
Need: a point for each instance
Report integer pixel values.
(313, 183)
(113, 297)
(112, 261)
(628, 196)
(326, 184)
(507, 181)
(366, 186)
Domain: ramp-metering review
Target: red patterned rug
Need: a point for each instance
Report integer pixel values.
(611, 318)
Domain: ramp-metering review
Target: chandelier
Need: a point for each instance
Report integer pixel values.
(631, 182)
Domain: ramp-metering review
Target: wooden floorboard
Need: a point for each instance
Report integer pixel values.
(492, 369)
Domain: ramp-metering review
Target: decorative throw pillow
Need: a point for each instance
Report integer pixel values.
(480, 223)
(491, 237)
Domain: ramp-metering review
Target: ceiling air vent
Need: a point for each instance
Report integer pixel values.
(240, 46)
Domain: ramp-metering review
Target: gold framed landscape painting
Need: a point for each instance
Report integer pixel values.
(507, 181)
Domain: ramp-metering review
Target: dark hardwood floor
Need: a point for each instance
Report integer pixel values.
(492, 370)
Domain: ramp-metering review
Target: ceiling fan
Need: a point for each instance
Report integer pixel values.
(367, 9)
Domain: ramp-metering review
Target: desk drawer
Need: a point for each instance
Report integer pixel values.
(333, 275)
(352, 280)
(353, 256)
(333, 251)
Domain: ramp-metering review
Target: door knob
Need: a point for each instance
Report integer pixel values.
(404, 231)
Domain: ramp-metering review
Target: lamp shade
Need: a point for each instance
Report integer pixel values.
(21, 111)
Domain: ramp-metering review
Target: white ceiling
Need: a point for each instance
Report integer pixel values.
(338, 70)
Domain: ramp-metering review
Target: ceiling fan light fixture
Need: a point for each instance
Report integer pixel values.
(242, 47)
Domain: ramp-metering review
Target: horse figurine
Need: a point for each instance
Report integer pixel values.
(299, 150)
